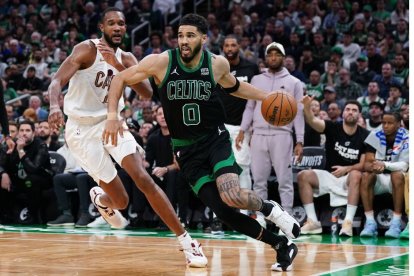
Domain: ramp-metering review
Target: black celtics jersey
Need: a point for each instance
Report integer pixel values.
(191, 107)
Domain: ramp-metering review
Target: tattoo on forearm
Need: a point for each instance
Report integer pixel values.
(254, 202)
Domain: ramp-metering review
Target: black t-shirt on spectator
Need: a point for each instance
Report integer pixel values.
(343, 149)
(244, 71)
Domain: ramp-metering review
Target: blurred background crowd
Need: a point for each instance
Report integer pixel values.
(339, 49)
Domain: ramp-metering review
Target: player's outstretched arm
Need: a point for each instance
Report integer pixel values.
(130, 76)
(80, 57)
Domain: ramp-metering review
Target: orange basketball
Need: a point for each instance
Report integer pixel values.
(279, 108)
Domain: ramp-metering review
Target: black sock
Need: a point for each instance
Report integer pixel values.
(271, 238)
(266, 208)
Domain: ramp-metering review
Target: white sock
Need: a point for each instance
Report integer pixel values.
(350, 212)
(98, 201)
(185, 240)
(396, 217)
(310, 211)
(370, 215)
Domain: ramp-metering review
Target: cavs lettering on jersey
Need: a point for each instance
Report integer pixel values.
(192, 109)
(88, 88)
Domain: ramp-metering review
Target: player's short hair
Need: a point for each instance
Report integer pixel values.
(111, 9)
(355, 102)
(232, 36)
(195, 20)
(396, 115)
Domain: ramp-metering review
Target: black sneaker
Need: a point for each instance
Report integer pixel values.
(216, 227)
(83, 221)
(62, 220)
(286, 252)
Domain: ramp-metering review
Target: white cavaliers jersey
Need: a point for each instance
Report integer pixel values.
(88, 88)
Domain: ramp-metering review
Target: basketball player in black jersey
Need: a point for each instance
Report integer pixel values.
(186, 78)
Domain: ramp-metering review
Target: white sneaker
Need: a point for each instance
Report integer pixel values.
(346, 229)
(261, 219)
(311, 227)
(194, 255)
(98, 222)
(113, 217)
(284, 221)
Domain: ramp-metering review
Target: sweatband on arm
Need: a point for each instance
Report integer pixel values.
(233, 89)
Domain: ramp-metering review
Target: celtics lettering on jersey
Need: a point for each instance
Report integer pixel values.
(188, 89)
(190, 106)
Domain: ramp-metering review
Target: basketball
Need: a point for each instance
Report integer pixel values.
(279, 108)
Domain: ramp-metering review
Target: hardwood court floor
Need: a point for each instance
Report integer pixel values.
(68, 251)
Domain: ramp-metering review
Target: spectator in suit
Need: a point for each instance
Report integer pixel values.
(27, 169)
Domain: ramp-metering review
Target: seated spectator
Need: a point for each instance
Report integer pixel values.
(160, 158)
(385, 80)
(331, 76)
(360, 73)
(385, 163)
(394, 101)
(42, 71)
(345, 152)
(290, 65)
(329, 96)
(13, 77)
(30, 84)
(72, 178)
(375, 60)
(334, 112)
(315, 87)
(49, 137)
(320, 51)
(376, 109)
(373, 90)
(156, 42)
(337, 56)
(347, 88)
(36, 104)
(14, 54)
(307, 63)
(351, 51)
(401, 70)
(27, 169)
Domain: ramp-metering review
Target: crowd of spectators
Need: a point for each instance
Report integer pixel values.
(340, 50)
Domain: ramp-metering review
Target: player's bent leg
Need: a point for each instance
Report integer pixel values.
(106, 199)
(286, 250)
(231, 194)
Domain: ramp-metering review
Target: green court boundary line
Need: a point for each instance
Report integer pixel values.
(361, 264)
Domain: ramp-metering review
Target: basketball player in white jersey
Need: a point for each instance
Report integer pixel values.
(89, 71)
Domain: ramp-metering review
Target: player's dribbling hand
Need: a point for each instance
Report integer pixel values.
(108, 53)
(112, 128)
(56, 120)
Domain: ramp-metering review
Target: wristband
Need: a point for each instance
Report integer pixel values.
(112, 116)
